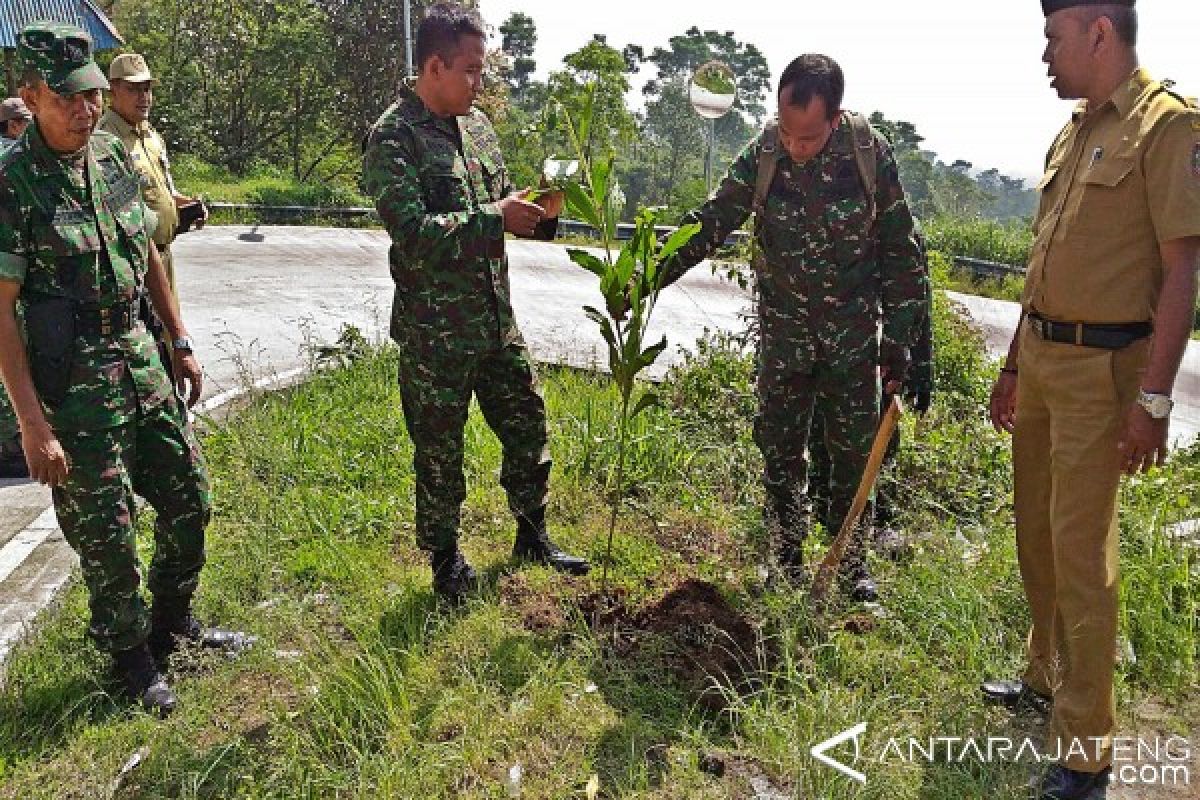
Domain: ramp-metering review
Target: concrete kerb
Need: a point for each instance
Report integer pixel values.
(45, 527)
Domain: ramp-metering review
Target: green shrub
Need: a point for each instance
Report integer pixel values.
(1002, 242)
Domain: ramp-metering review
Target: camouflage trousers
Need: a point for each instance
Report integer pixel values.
(820, 468)
(437, 397)
(156, 456)
(846, 398)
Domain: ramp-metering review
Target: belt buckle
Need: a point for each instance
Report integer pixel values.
(1039, 327)
(106, 327)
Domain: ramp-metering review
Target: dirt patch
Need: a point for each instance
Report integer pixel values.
(859, 624)
(698, 636)
(692, 631)
(743, 778)
(540, 608)
(609, 612)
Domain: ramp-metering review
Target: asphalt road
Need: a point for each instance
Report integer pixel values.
(254, 298)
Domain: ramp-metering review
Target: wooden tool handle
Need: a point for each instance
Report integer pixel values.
(837, 550)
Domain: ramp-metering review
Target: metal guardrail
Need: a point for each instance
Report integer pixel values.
(295, 211)
(987, 269)
(980, 267)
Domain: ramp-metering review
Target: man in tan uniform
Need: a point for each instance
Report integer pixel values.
(1086, 386)
(128, 117)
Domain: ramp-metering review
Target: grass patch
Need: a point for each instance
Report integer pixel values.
(361, 687)
(988, 240)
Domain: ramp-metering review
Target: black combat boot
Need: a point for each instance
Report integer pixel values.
(855, 575)
(890, 542)
(12, 459)
(790, 556)
(142, 681)
(534, 544)
(1016, 696)
(172, 624)
(453, 577)
(789, 527)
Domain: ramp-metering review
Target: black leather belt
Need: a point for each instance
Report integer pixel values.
(1106, 337)
(107, 320)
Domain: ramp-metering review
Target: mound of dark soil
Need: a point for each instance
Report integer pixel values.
(705, 640)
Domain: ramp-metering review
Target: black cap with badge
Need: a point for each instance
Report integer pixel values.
(1050, 6)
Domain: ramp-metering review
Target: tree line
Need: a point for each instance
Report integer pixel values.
(296, 84)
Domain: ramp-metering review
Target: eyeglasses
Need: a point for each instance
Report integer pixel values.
(64, 49)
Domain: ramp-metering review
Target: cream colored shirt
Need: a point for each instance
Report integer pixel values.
(149, 156)
(1119, 180)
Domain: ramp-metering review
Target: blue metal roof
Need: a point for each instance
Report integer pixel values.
(16, 14)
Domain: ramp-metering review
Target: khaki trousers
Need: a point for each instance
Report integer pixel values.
(1071, 407)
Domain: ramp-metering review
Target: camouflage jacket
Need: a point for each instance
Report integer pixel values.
(83, 235)
(436, 182)
(830, 272)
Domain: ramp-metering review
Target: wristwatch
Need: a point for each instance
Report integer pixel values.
(182, 344)
(1158, 406)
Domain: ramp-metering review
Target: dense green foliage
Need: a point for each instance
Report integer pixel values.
(293, 86)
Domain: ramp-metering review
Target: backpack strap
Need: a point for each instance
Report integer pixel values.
(768, 161)
(865, 155)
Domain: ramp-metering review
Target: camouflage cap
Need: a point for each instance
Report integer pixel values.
(62, 55)
(14, 108)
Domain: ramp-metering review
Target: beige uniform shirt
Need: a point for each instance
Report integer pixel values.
(149, 156)
(1119, 180)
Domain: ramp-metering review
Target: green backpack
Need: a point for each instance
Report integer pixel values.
(864, 156)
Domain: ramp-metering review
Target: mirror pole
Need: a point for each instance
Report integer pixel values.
(712, 146)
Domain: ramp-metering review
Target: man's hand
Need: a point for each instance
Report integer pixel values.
(520, 215)
(203, 213)
(45, 456)
(894, 361)
(1002, 407)
(187, 371)
(182, 200)
(1143, 442)
(919, 396)
(551, 202)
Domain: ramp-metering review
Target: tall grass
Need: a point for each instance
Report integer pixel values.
(363, 688)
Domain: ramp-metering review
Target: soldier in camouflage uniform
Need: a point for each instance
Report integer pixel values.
(14, 117)
(835, 264)
(918, 394)
(99, 415)
(433, 166)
